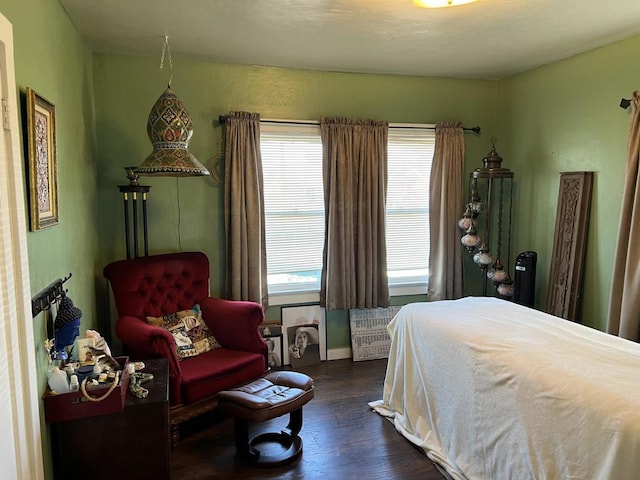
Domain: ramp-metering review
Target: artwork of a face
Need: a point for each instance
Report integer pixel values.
(302, 339)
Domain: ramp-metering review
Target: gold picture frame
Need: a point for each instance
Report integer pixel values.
(43, 162)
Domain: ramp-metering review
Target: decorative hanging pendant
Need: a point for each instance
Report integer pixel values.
(471, 239)
(497, 274)
(475, 203)
(170, 129)
(506, 288)
(467, 220)
(483, 258)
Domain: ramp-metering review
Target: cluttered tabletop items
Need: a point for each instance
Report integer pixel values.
(83, 372)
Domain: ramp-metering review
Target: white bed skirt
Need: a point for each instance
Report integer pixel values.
(494, 390)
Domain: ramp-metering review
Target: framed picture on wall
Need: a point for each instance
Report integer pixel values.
(300, 324)
(43, 162)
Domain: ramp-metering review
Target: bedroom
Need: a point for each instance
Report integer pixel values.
(563, 116)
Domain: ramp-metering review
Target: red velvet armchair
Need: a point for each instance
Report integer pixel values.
(159, 285)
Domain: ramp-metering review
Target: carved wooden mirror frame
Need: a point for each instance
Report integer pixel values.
(569, 244)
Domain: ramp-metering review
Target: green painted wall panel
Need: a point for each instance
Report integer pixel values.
(186, 213)
(560, 118)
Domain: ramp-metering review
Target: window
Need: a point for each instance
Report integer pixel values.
(294, 207)
(410, 153)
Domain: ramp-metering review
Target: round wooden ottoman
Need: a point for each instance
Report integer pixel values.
(269, 397)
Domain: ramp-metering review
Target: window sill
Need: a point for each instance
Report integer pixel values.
(294, 298)
(408, 289)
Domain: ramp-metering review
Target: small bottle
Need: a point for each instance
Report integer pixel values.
(57, 380)
(74, 385)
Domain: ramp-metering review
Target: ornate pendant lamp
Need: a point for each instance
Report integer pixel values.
(170, 129)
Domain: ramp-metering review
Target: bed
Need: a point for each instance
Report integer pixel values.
(494, 390)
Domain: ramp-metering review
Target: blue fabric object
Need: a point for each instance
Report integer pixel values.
(65, 336)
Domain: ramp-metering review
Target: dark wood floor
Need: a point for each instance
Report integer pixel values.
(343, 438)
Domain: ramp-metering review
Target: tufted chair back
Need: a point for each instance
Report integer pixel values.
(158, 285)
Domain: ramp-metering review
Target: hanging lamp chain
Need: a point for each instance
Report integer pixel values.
(500, 200)
(166, 49)
(509, 232)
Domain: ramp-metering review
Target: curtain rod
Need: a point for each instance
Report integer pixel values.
(475, 130)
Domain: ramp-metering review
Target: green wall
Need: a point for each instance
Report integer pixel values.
(566, 117)
(186, 213)
(51, 58)
(561, 117)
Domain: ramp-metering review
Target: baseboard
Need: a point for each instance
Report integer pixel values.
(338, 353)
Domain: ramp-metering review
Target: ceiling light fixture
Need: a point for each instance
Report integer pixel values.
(440, 3)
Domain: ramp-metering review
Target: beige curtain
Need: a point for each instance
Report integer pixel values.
(354, 270)
(244, 209)
(445, 208)
(624, 307)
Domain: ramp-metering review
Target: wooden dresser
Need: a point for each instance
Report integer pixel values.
(131, 444)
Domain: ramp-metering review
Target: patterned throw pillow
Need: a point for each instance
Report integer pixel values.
(191, 334)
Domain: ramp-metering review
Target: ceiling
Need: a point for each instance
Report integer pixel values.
(490, 39)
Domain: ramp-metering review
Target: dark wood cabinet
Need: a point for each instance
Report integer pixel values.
(131, 444)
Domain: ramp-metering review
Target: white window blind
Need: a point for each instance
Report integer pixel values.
(294, 205)
(410, 154)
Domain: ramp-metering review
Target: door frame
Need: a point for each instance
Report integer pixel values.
(20, 424)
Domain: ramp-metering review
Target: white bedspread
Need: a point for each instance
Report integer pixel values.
(493, 390)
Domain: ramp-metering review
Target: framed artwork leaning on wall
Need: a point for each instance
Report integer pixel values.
(272, 335)
(295, 321)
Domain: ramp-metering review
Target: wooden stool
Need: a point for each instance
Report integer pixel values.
(269, 397)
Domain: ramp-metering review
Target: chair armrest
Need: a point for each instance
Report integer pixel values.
(146, 340)
(235, 324)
